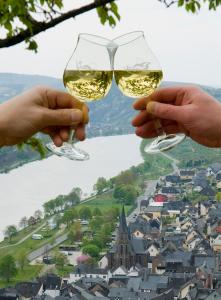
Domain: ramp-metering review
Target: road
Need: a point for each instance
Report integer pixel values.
(174, 161)
(47, 247)
(149, 190)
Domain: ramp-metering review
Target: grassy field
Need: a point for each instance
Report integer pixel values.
(21, 234)
(29, 272)
(159, 165)
(103, 202)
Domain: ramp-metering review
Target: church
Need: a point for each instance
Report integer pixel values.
(127, 251)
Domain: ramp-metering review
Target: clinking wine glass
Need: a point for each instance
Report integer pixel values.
(87, 77)
(138, 73)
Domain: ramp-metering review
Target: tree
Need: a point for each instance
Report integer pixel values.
(68, 217)
(96, 223)
(125, 193)
(23, 222)
(10, 232)
(7, 267)
(32, 221)
(51, 14)
(75, 232)
(60, 259)
(100, 185)
(92, 250)
(85, 213)
(126, 177)
(38, 214)
(97, 212)
(22, 259)
(74, 197)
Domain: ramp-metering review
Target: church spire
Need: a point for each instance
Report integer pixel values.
(123, 223)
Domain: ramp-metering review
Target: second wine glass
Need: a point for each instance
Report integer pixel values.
(138, 73)
(87, 77)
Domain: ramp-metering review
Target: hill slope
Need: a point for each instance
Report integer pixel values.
(110, 116)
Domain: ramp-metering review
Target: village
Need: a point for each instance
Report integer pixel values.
(169, 247)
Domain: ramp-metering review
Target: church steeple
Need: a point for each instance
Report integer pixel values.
(123, 223)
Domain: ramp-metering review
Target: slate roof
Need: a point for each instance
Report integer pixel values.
(173, 178)
(216, 167)
(169, 190)
(28, 289)
(187, 173)
(174, 205)
(51, 282)
(208, 191)
(138, 245)
(154, 282)
(210, 261)
(218, 176)
(179, 257)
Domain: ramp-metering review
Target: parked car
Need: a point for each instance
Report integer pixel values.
(36, 236)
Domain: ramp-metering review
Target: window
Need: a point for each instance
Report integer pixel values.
(121, 249)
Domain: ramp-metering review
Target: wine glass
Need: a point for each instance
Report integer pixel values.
(88, 77)
(138, 73)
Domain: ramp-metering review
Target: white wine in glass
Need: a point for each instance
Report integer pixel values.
(87, 77)
(138, 73)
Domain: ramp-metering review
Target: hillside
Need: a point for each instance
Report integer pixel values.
(111, 116)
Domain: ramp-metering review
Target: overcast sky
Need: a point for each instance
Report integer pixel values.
(187, 46)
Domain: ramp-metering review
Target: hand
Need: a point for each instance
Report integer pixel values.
(186, 110)
(41, 109)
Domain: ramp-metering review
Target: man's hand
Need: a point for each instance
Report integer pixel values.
(186, 110)
(41, 109)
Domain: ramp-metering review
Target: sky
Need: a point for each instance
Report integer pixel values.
(188, 46)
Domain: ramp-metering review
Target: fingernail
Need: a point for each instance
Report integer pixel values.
(151, 106)
(76, 115)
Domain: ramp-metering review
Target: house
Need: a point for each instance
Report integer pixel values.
(208, 191)
(155, 210)
(143, 204)
(216, 243)
(160, 198)
(186, 175)
(86, 271)
(218, 185)
(214, 169)
(153, 249)
(174, 179)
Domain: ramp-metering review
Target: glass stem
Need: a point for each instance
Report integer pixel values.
(159, 128)
(72, 138)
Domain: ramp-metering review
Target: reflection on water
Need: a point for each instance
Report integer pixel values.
(25, 189)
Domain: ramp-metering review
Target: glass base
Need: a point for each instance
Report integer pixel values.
(69, 151)
(164, 143)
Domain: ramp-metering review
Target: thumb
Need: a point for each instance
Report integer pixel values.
(165, 111)
(62, 117)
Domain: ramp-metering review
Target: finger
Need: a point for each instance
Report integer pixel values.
(149, 130)
(58, 99)
(57, 140)
(80, 132)
(167, 111)
(142, 118)
(64, 133)
(61, 117)
(169, 94)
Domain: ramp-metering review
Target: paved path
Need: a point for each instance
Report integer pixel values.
(47, 247)
(174, 163)
(151, 186)
(25, 238)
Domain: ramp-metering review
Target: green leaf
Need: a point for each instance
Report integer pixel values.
(32, 45)
(111, 21)
(114, 9)
(103, 15)
(180, 3)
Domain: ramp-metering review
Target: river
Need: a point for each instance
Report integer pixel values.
(25, 189)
